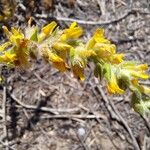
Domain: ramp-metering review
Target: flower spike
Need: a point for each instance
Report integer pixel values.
(65, 51)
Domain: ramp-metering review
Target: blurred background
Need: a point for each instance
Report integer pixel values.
(48, 110)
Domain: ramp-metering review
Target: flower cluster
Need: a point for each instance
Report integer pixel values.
(66, 51)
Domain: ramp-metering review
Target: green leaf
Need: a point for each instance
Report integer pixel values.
(140, 103)
(34, 35)
(107, 71)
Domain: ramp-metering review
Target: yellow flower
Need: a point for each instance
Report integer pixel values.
(7, 57)
(82, 52)
(117, 58)
(135, 71)
(103, 49)
(59, 46)
(14, 36)
(141, 67)
(73, 32)
(4, 46)
(98, 37)
(113, 87)
(140, 74)
(61, 65)
(86, 53)
(142, 88)
(20, 47)
(106, 52)
(46, 31)
(78, 57)
(57, 61)
(62, 49)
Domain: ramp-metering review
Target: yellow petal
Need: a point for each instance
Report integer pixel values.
(61, 46)
(1, 79)
(117, 58)
(7, 57)
(141, 75)
(135, 82)
(58, 62)
(143, 89)
(87, 53)
(61, 66)
(105, 51)
(4, 46)
(14, 36)
(16, 32)
(54, 58)
(113, 88)
(142, 67)
(99, 36)
(62, 49)
(136, 67)
(48, 29)
(90, 44)
(74, 24)
(99, 33)
(72, 32)
(146, 90)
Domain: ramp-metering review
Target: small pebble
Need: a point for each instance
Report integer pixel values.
(81, 131)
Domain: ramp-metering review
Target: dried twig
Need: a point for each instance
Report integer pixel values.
(45, 109)
(132, 11)
(71, 116)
